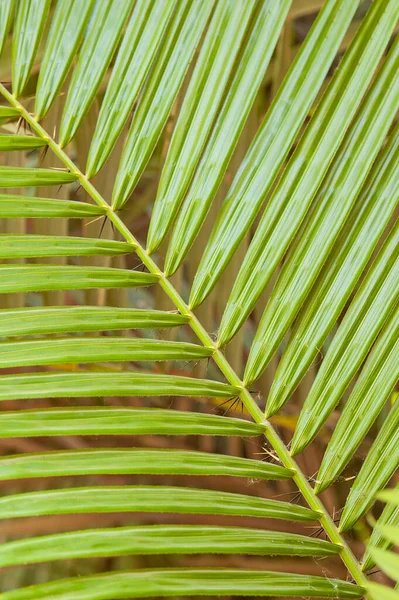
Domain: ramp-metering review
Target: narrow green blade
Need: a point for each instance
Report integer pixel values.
(305, 171)
(137, 461)
(210, 81)
(161, 539)
(380, 464)
(380, 592)
(66, 32)
(63, 319)
(388, 517)
(101, 349)
(8, 112)
(91, 383)
(16, 177)
(27, 246)
(332, 206)
(255, 58)
(137, 51)
(371, 307)
(272, 143)
(350, 255)
(189, 582)
(13, 206)
(7, 9)
(28, 29)
(372, 390)
(37, 278)
(159, 92)
(10, 143)
(120, 421)
(95, 55)
(149, 499)
(387, 561)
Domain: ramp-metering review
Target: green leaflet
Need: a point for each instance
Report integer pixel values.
(101, 349)
(380, 592)
(202, 102)
(28, 29)
(380, 464)
(120, 421)
(17, 246)
(389, 517)
(95, 55)
(256, 54)
(7, 112)
(149, 499)
(20, 142)
(7, 9)
(91, 383)
(369, 310)
(163, 583)
(13, 206)
(63, 319)
(137, 51)
(332, 205)
(67, 29)
(138, 461)
(162, 539)
(296, 188)
(388, 561)
(371, 392)
(159, 92)
(272, 143)
(15, 177)
(35, 278)
(350, 255)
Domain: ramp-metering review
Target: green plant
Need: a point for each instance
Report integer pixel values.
(325, 214)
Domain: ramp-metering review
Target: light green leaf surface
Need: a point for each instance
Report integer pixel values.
(304, 173)
(136, 53)
(380, 592)
(121, 421)
(17, 246)
(104, 31)
(388, 517)
(7, 9)
(101, 349)
(202, 103)
(64, 319)
(28, 30)
(149, 499)
(8, 143)
(332, 206)
(388, 561)
(272, 143)
(371, 307)
(13, 206)
(159, 92)
(139, 461)
(171, 582)
(226, 131)
(35, 278)
(162, 539)
(66, 32)
(16, 177)
(90, 383)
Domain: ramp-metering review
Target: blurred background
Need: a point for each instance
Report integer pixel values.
(136, 215)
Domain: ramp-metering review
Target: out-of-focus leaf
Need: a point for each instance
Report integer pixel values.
(371, 392)
(103, 35)
(159, 92)
(28, 29)
(272, 143)
(67, 29)
(210, 81)
(87, 350)
(388, 517)
(242, 91)
(308, 165)
(380, 592)
(137, 51)
(350, 255)
(388, 561)
(162, 539)
(381, 462)
(121, 421)
(138, 461)
(371, 307)
(332, 206)
(91, 383)
(16, 177)
(13, 206)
